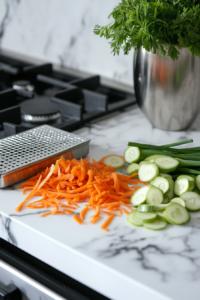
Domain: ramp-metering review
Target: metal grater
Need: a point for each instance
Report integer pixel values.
(25, 154)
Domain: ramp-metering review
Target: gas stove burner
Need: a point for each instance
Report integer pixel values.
(24, 85)
(40, 110)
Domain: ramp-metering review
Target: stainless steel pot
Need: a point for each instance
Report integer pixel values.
(167, 91)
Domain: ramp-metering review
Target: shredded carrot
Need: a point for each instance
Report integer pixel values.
(74, 182)
(77, 219)
(68, 211)
(68, 206)
(125, 211)
(107, 222)
(83, 212)
(95, 219)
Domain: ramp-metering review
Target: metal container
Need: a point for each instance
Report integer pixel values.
(25, 154)
(167, 91)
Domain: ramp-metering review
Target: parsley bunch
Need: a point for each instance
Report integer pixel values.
(164, 25)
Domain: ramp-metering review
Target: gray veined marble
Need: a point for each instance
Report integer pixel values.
(61, 31)
(125, 261)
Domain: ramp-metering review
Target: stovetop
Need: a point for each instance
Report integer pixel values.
(31, 95)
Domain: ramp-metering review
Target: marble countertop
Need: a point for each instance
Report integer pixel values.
(126, 262)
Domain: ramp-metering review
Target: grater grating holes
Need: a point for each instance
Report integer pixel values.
(34, 145)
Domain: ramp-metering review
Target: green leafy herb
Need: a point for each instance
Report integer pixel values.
(165, 25)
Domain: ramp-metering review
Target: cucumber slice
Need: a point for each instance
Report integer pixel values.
(179, 201)
(191, 180)
(161, 215)
(133, 168)
(132, 154)
(192, 201)
(158, 224)
(145, 216)
(176, 214)
(143, 162)
(139, 196)
(170, 193)
(154, 196)
(147, 172)
(198, 181)
(146, 208)
(161, 207)
(162, 183)
(165, 175)
(132, 220)
(166, 164)
(115, 161)
(151, 158)
(181, 185)
(166, 200)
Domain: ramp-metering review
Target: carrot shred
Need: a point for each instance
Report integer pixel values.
(125, 211)
(73, 182)
(68, 211)
(77, 219)
(107, 222)
(95, 219)
(83, 212)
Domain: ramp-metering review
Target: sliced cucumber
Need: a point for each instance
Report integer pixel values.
(166, 200)
(161, 215)
(132, 220)
(143, 162)
(176, 214)
(165, 175)
(192, 201)
(166, 164)
(147, 172)
(158, 224)
(115, 161)
(181, 185)
(145, 216)
(132, 154)
(179, 201)
(132, 169)
(191, 180)
(162, 183)
(151, 158)
(154, 196)
(161, 207)
(139, 196)
(146, 208)
(170, 193)
(198, 181)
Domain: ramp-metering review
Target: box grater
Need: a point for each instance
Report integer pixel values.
(25, 154)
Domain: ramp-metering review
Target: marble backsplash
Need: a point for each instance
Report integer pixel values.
(61, 31)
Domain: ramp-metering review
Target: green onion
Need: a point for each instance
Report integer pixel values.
(181, 171)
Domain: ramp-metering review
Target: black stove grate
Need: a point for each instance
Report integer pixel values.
(75, 100)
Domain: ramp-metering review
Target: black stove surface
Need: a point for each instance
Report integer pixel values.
(31, 95)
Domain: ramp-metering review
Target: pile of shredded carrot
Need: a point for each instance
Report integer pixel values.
(70, 182)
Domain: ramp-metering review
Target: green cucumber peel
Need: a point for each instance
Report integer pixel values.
(134, 221)
(158, 224)
(146, 208)
(166, 164)
(192, 201)
(132, 169)
(145, 216)
(178, 200)
(176, 214)
(181, 185)
(132, 154)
